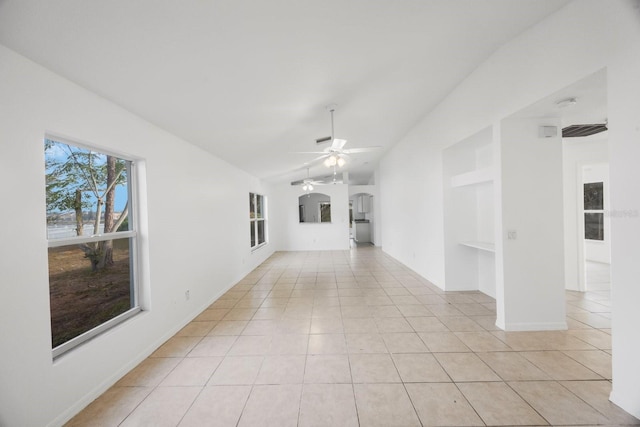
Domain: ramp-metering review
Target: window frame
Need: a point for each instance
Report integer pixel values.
(134, 251)
(254, 220)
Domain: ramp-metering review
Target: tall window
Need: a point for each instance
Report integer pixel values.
(257, 220)
(92, 242)
(594, 211)
(325, 212)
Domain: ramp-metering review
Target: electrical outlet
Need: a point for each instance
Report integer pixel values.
(512, 234)
(186, 295)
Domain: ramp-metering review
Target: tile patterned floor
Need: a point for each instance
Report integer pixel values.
(353, 338)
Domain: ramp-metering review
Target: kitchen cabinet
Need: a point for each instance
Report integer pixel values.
(363, 203)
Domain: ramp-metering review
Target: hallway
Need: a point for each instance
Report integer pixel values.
(348, 338)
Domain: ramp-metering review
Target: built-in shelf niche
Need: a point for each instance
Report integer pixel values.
(468, 176)
(478, 176)
(483, 246)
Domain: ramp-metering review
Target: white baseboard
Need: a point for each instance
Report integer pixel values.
(630, 406)
(536, 326)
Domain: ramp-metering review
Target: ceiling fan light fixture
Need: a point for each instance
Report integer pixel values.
(331, 161)
(334, 160)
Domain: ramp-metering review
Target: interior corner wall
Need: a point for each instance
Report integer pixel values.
(584, 37)
(195, 237)
(410, 180)
(291, 235)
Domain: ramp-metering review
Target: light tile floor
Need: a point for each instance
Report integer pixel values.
(354, 338)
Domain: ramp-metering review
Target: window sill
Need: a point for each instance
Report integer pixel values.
(259, 246)
(82, 339)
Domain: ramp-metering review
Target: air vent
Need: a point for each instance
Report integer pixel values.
(583, 130)
(323, 140)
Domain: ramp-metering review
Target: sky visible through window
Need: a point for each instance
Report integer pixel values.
(75, 176)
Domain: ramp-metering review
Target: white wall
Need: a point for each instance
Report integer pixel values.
(376, 206)
(365, 189)
(291, 235)
(576, 153)
(532, 296)
(580, 39)
(624, 176)
(184, 187)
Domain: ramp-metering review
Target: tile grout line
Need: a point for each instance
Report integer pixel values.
(362, 271)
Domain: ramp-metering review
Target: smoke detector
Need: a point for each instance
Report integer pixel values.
(567, 102)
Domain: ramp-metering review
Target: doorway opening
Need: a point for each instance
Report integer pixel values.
(361, 217)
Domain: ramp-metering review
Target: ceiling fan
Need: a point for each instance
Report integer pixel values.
(336, 154)
(308, 183)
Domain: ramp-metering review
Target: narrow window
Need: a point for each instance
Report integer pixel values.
(594, 211)
(257, 219)
(91, 236)
(325, 212)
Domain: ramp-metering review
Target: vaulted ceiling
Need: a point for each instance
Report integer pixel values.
(249, 80)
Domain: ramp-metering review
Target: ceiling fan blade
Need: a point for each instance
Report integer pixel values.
(360, 150)
(338, 144)
(317, 159)
(317, 181)
(323, 139)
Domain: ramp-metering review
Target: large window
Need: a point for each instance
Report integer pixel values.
(92, 242)
(257, 220)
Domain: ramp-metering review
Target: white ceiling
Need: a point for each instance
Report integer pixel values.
(249, 80)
